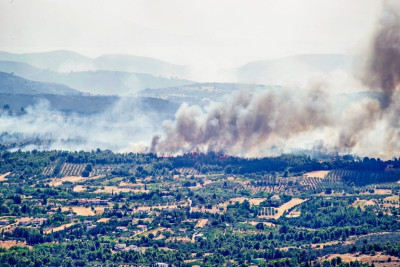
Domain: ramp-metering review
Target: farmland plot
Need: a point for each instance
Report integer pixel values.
(317, 174)
(286, 207)
(378, 259)
(84, 211)
(3, 176)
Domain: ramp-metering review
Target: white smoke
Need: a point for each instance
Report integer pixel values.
(252, 123)
(119, 128)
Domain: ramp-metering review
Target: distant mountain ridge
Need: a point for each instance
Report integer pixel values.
(12, 84)
(120, 74)
(294, 68)
(128, 63)
(95, 82)
(60, 60)
(18, 93)
(202, 93)
(274, 71)
(67, 61)
(87, 105)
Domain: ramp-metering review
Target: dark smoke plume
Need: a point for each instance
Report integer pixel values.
(247, 122)
(251, 122)
(383, 69)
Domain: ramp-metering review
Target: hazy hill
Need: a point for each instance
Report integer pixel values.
(204, 93)
(127, 63)
(19, 93)
(275, 71)
(66, 61)
(19, 68)
(94, 82)
(61, 60)
(200, 93)
(12, 84)
(84, 104)
(292, 68)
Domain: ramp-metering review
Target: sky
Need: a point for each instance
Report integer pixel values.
(223, 33)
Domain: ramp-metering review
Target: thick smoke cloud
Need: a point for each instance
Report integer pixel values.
(124, 127)
(245, 122)
(383, 73)
(262, 123)
(251, 123)
(383, 69)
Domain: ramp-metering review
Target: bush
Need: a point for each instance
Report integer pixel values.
(89, 168)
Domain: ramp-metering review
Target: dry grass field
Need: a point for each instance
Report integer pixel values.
(317, 174)
(59, 228)
(72, 179)
(104, 220)
(3, 176)
(391, 201)
(132, 185)
(84, 211)
(206, 182)
(330, 243)
(79, 188)
(392, 198)
(212, 210)
(288, 205)
(285, 207)
(378, 259)
(136, 220)
(11, 227)
(253, 201)
(294, 213)
(201, 223)
(379, 192)
(287, 248)
(117, 189)
(10, 243)
(362, 203)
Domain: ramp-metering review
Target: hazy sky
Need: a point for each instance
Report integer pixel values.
(221, 32)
